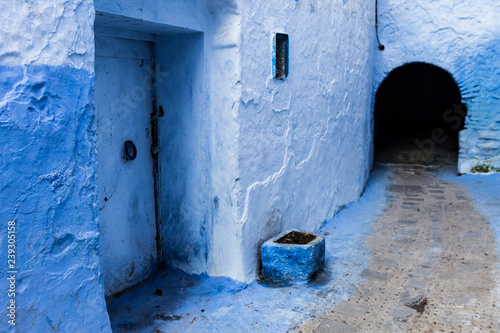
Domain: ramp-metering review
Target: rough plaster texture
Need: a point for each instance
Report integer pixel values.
(48, 165)
(462, 38)
(303, 149)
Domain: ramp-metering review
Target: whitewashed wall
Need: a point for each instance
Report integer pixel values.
(303, 148)
(461, 37)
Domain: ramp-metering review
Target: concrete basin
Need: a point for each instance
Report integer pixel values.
(292, 256)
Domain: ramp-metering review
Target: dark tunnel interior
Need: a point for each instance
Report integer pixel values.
(418, 115)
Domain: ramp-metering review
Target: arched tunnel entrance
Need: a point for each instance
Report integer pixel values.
(418, 115)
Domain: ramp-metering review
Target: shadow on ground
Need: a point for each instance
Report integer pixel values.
(173, 301)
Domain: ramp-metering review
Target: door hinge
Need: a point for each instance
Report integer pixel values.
(158, 114)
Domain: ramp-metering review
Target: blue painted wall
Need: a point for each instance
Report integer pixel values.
(462, 38)
(48, 166)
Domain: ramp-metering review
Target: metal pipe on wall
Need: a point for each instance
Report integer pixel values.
(380, 46)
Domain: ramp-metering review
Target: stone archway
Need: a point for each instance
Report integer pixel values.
(418, 114)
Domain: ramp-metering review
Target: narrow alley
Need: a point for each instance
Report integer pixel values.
(434, 264)
(414, 254)
(234, 166)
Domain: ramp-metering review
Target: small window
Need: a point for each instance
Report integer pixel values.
(280, 56)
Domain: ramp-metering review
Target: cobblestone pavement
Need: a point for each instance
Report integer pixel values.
(434, 265)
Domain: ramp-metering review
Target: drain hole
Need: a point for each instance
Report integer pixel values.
(419, 305)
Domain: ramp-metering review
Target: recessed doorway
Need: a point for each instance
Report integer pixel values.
(152, 150)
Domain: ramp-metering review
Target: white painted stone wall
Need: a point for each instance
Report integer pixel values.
(48, 166)
(461, 37)
(302, 141)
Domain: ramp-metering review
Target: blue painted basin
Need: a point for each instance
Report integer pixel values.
(285, 263)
